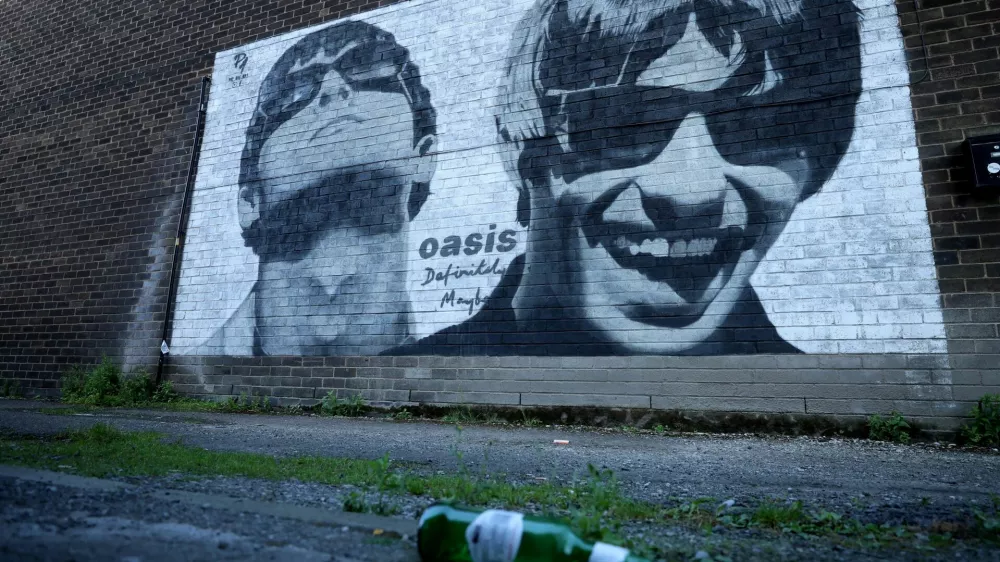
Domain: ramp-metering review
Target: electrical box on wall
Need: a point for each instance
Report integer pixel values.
(984, 155)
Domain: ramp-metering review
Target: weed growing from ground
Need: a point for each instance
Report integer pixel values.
(402, 415)
(468, 415)
(106, 385)
(355, 503)
(415, 486)
(893, 428)
(385, 481)
(774, 515)
(247, 404)
(984, 428)
(353, 407)
(9, 388)
(529, 421)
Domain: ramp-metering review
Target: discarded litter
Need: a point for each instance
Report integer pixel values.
(449, 533)
(560, 442)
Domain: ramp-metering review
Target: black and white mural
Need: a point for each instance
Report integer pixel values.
(564, 177)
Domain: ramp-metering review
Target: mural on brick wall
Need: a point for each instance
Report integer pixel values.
(563, 177)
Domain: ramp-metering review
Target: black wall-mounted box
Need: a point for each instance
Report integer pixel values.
(984, 160)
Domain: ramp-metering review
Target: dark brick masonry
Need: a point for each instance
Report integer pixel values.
(956, 94)
(98, 106)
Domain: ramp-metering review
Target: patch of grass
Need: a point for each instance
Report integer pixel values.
(9, 388)
(355, 502)
(104, 451)
(984, 428)
(529, 421)
(415, 486)
(245, 404)
(353, 407)
(893, 428)
(468, 415)
(106, 385)
(402, 415)
(774, 515)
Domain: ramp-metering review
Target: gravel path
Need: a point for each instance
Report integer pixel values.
(56, 523)
(879, 483)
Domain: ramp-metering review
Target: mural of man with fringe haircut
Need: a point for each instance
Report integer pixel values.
(659, 148)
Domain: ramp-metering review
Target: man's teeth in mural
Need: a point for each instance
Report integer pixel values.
(663, 248)
(685, 247)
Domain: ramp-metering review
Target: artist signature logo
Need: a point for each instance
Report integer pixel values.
(240, 61)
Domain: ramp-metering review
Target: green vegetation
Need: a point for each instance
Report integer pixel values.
(402, 415)
(529, 421)
(594, 504)
(9, 388)
(469, 415)
(246, 404)
(984, 428)
(987, 523)
(353, 407)
(385, 481)
(893, 428)
(106, 385)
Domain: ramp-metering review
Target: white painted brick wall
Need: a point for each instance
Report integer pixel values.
(851, 273)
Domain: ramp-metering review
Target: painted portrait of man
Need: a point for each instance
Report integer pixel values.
(658, 149)
(338, 158)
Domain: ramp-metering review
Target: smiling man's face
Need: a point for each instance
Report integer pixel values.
(335, 179)
(656, 255)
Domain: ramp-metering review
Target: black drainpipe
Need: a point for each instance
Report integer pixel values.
(181, 230)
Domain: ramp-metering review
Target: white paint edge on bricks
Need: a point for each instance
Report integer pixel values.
(359, 521)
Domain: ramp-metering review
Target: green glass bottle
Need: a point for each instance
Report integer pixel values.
(449, 533)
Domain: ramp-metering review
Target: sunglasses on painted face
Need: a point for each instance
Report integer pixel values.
(621, 127)
(300, 88)
(365, 200)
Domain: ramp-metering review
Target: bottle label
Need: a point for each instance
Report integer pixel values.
(495, 536)
(604, 552)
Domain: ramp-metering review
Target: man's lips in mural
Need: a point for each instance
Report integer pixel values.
(672, 250)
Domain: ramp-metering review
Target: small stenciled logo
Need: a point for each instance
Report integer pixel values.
(240, 61)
